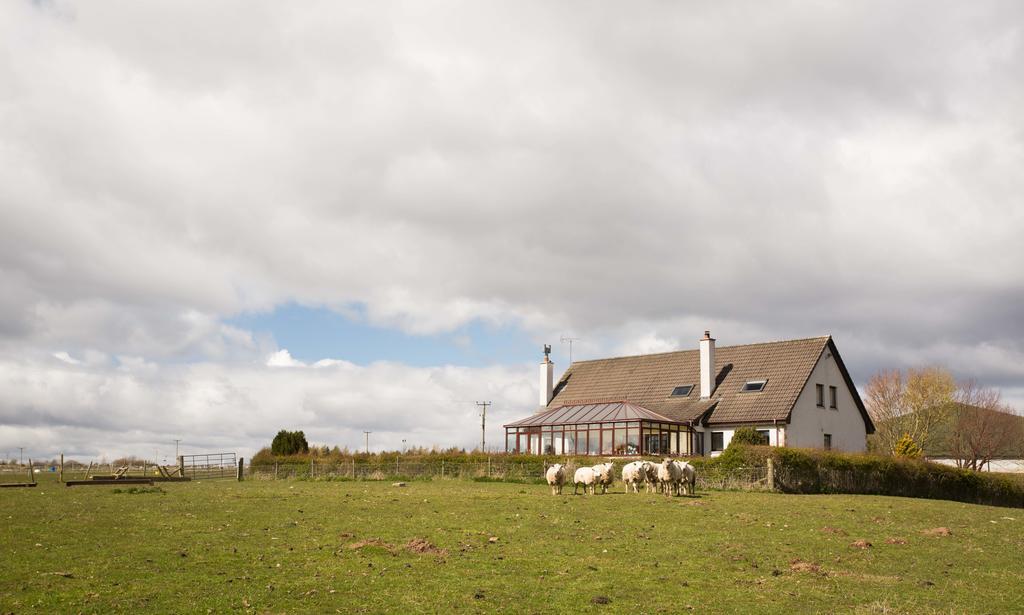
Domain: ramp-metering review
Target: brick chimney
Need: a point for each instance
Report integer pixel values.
(707, 366)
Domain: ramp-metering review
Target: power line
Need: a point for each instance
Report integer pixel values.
(483, 424)
(367, 434)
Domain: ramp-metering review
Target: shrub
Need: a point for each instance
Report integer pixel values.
(749, 436)
(289, 443)
(906, 447)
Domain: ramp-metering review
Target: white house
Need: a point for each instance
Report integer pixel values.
(690, 402)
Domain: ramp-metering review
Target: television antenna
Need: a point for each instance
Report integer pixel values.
(569, 340)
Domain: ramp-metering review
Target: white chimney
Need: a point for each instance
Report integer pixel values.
(547, 378)
(707, 365)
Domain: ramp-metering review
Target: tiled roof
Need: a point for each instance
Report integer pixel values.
(589, 413)
(648, 380)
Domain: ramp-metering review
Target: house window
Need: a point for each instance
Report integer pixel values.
(682, 391)
(717, 441)
(753, 386)
(832, 394)
(828, 442)
(765, 438)
(820, 389)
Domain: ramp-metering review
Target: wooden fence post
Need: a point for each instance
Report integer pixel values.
(31, 472)
(181, 466)
(275, 470)
(312, 470)
(442, 468)
(771, 475)
(62, 467)
(241, 468)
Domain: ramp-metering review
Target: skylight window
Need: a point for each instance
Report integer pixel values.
(753, 386)
(682, 391)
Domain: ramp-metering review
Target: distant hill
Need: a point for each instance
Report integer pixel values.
(940, 444)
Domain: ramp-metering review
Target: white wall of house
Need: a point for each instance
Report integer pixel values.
(776, 434)
(809, 422)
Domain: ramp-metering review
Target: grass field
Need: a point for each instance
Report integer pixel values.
(442, 546)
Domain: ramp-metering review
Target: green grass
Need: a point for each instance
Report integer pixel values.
(293, 546)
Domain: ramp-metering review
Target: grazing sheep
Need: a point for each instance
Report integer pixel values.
(670, 473)
(633, 474)
(585, 477)
(603, 474)
(556, 478)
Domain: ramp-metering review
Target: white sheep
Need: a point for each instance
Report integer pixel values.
(603, 474)
(556, 478)
(689, 479)
(670, 473)
(633, 474)
(585, 477)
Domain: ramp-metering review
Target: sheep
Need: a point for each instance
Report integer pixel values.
(650, 476)
(585, 477)
(670, 473)
(603, 475)
(556, 478)
(633, 474)
(689, 478)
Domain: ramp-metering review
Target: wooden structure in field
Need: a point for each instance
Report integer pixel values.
(31, 476)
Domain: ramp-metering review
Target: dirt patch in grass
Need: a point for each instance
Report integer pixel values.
(938, 531)
(416, 545)
(895, 541)
(860, 544)
(373, 542)
(833, 530)
(419, 545)
(799, 565)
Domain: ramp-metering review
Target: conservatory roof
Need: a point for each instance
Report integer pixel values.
(603, 412)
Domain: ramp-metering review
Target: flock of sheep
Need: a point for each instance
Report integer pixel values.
(670, 477)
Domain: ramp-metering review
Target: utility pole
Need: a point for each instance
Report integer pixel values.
(176, 447)
(367, 434)
(483, 424)
(569, 340)
(21, 455)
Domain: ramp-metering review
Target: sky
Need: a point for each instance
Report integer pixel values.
(218, 220)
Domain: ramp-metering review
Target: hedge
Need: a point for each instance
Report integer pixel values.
(815, 471)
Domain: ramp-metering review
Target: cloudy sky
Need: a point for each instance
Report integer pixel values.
(218, 220)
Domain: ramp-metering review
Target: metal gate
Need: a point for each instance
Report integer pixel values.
(208, 466)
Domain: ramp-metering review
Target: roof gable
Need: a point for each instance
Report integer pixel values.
(648, 381)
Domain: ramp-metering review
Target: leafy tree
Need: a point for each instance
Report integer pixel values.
(289, 443)
(748, 435)
(906, 447)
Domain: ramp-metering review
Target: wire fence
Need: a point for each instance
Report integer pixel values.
(746, 479)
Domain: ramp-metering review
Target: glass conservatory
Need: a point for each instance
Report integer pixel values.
(617, 428)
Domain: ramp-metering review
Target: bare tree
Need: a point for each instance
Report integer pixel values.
(916, 405)
(983, 427)
(884, 397)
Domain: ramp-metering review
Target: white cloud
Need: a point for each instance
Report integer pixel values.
(283, 358)
(53, 408)
(64, 356)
